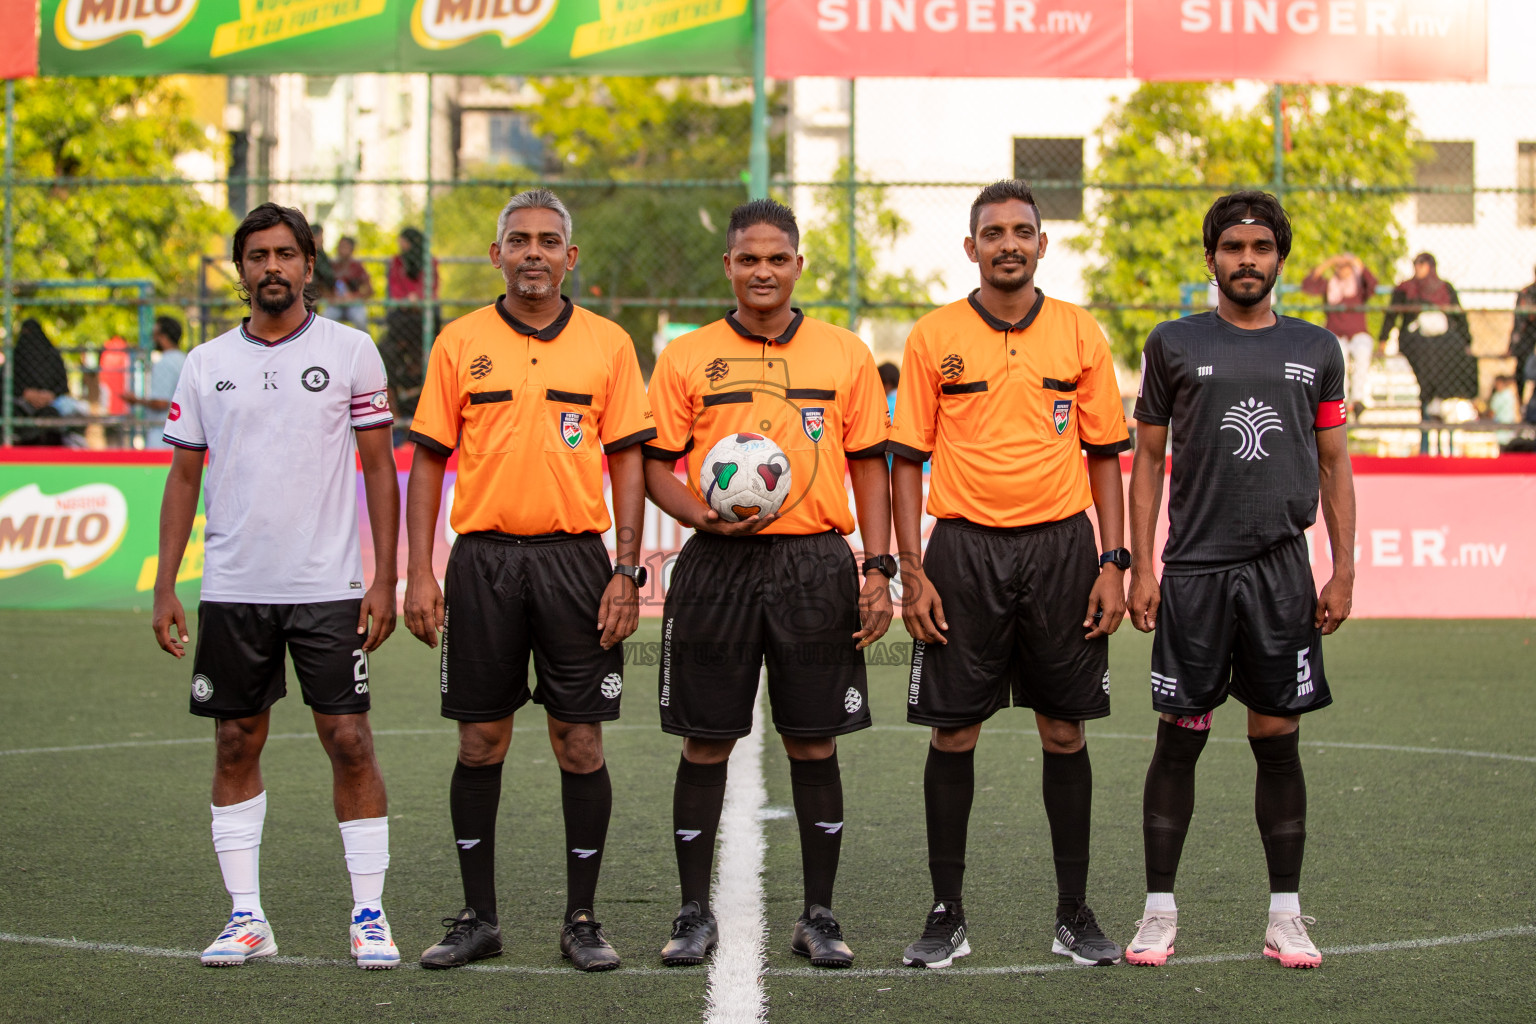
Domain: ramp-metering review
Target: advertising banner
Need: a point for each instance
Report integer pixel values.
(508, 37)
(1312, 40)
(948, 38)
(1437, 538)
(18, 39)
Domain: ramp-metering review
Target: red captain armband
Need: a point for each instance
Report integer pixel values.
(1331, 414)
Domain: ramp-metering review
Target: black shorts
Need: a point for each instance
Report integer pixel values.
(1250, 629)
(1014, 598)
(237, 670)
(507, 596)
(735, 601)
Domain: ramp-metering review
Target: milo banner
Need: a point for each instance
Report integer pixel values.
(518, 37)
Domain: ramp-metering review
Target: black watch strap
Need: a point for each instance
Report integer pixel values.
(634, 572)
(1120, 558)
(885, 563)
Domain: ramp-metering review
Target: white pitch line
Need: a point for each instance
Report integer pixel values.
(1149, 738)
(735, 994)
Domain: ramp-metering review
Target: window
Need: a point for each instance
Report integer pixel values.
(511, 142)
(1525, 175)
(1450, 166)
(1052, 160)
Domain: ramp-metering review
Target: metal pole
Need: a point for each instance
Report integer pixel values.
(428, 278)
(7, 431)
(853, 211)
(757, 154)
(1277, 172)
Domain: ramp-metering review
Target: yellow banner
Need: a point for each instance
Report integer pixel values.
(272, 21)
(626, 22)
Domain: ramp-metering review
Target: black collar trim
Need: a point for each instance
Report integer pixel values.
(1003, 325)
(549, 333)
(783, 339)
(245, 325)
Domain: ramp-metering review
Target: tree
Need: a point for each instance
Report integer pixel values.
(650, 169)
(105, 128)
(877, 227)
(1173, 148)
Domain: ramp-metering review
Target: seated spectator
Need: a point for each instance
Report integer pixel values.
(163, 375)
(40, 386)
(1522, 338)
(1435, 337)
(1344, 280)
(353, 285)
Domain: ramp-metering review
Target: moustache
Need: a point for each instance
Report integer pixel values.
(276, 280)
(1239, 275)
(1005, 260)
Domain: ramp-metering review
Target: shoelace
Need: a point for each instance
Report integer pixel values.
(585, 933)
(1160, 928)
(826, 927)
(940, 926)
(1085, 925)
(373, 931)
(1292, 929)
(233, 927)
(458, 930)
(686, 923)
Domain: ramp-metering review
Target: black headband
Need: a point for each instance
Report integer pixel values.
(1239, 222)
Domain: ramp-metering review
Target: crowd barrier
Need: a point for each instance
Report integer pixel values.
(1436, 537)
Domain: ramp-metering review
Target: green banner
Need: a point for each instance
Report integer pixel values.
(503, 37)
(85, 536)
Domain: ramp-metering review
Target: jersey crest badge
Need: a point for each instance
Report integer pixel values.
(480, 367)
(716, 371)
(815, 423)
(952, 367)
(1252, 420)
(570, 429)
(315, 378)
(1061, 412)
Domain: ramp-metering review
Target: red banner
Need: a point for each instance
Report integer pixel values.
(18, 38)
(1311, 40)
(947, 38)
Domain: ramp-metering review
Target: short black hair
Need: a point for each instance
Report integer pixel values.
(1001, 192)
(270, 215)
(170, 327)
(763, 211)
(890, 375)
(1249, 204)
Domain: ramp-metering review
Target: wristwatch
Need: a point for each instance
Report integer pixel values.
(885, 563)
(634, 572)
(1120, 558)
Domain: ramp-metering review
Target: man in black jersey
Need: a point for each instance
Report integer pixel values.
(1255, 402)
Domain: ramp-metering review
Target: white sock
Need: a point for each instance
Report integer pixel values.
(1288, 903)
(366, 842)
(1160, 903)
(237, 841)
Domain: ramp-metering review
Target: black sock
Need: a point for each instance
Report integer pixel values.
(1066, 782)
(473, 797)
(949, 784)
(587, 801)
(1280, 807)
(818, 790)
(696, 801)
(1168, 801)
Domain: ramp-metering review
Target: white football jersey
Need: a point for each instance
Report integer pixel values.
(281, 491)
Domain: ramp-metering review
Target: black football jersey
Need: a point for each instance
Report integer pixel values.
(1241, 407)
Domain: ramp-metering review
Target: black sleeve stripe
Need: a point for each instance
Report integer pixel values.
(811, 393)
(487, 397)
(630, 440)
(188, 445)
(573, 397)
(650, 451)
(727, 398)
(873, 451)
(972, 388)
(1150, 420)
(431, 444)
(1108, 449)
(910, 454)
(1052, 384)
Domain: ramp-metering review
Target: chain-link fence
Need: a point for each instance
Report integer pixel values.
(1426, 353)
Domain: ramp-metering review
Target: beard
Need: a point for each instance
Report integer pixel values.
(533, 290)
(272, 305)
(1010, 284)
(1229, 289)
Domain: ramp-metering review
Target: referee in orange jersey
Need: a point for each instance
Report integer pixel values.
(1013, 602)
(533, 391)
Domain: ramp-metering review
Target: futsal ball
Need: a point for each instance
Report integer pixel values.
(744, 475)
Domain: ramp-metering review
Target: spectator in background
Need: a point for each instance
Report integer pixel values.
(1344, 280)
(40, 386)
(405, 269)
(1522, 338)
(402, 343)
(1435, 336)
(353, 286)
(164, 372)
(325, 276)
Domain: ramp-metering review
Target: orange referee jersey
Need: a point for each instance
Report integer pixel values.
(1004, 408)
(814, 390)
(528, 410)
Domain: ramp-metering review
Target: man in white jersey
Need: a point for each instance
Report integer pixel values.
(275, 404)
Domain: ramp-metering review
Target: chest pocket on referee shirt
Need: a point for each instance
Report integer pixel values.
(1060, 405)
(963, 409)
(569, 426)
(489, 423)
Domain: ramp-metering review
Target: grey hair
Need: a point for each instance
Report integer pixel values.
(534, 199)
